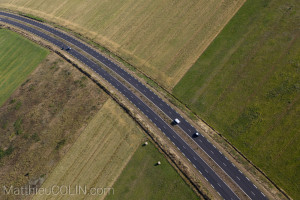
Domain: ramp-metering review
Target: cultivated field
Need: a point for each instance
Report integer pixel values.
(99, 155)
(18, 58)
(42, 119)
(143, 179)
(246, 85)
(163, 38)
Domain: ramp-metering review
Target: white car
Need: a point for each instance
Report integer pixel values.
(176, 121)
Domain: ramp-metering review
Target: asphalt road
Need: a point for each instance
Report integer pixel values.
(237, 176)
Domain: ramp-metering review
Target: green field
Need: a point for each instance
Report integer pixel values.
(143, 179)
(163, 38)
(18, 58)
(247, 86)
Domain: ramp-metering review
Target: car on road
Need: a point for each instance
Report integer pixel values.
(68, 48)
(175, 121)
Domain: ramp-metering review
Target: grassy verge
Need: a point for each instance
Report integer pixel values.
(143, 179)
(33, 17)
(18, 58)
(246, 85)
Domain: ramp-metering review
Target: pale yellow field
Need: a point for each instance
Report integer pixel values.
(99, 154)
(163, 38)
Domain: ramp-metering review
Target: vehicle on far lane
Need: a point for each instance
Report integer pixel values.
(175, 121)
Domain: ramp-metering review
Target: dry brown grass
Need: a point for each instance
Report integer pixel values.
(42, 119)
(162, 38)
(100, 153)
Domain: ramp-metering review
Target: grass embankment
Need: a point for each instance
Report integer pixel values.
(33, 17)
(98, 156)
(246, 85)
(18, 58)
(143, 179)
(162, 38)
(42, 119)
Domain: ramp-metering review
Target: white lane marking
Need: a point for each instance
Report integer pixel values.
(238, 178)
(184, 147)
(224, 164)
(253, 193)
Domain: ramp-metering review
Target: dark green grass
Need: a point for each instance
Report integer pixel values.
(33, 17)
(247, 86)
(18, 58)
(142, 179)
